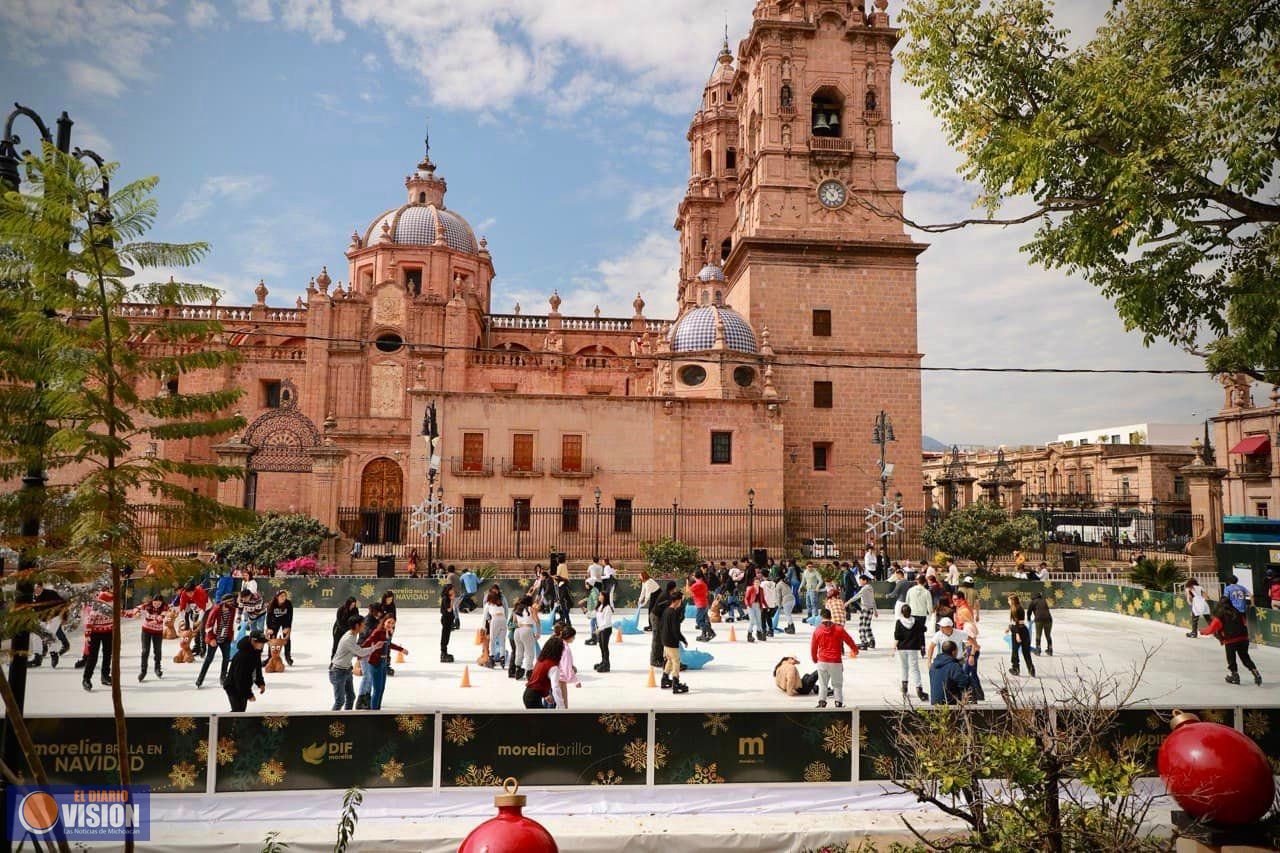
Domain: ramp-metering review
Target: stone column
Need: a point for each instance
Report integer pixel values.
(326, 465)
(1204, 483)
(928, 496)
(233, 454)
(1012, 490)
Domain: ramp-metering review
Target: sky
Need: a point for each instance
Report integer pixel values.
(278, 127)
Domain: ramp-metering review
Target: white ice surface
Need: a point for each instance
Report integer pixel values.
(1182, 672)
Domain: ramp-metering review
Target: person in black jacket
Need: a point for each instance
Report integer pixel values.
(245, 671)
(448, 620)
(908, 640)
(657, 606)
(280, 622)
(341, 621)
(672, 640)
(1043, 618)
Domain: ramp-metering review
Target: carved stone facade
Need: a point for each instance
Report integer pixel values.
(792, 289)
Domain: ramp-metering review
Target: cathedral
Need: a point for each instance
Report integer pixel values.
(796, 327)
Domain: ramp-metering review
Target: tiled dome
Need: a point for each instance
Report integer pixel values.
(711, 272)
(696, 330)
(415, 225)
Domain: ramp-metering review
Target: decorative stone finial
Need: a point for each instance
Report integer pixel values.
(766, 349)
(638, 304)
(516, 310)
(355, 239)
(484, 244)
(323, 279)
(311, 285)
(338, 292)
(720, 334)
(770, 392)
(261, 292)
(597, 312)
(298, 302)
(440, 234)
(555, 302)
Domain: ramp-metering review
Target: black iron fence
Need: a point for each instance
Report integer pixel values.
(523, 532)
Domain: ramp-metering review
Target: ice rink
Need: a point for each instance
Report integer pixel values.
(1182, 671)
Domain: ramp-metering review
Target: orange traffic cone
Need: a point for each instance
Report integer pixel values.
(355, 669)
(466, 677)
(652, 681)
(733, 635)
(399, 657)
(618, 635)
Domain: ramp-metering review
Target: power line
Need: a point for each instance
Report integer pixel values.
(781, 362)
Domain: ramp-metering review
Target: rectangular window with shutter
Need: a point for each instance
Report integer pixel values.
(569, 513)
(721, 448)
(473, 451)
(470, 513)
(823, 395)
(821, 455)
(521, 509)
(571, 453)
(622, 515)
(522, 451)
(821, 322)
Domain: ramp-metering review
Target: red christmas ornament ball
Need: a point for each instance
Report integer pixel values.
(1215, 772)
(510, 831)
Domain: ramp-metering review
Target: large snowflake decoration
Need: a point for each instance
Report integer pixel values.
(184, 725)
(616, 723)
(884, 519)
(607, 777)
(459, 730)
(271, 772)
(716, 723)
(476, 777)
(836, 738)
(705, 775)
(392, 771)
(817, 772)
(182, 775)
(410, 724)
(432, 517)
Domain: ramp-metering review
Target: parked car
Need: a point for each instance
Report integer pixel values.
(821, 548)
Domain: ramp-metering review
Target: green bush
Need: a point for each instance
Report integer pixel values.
(1165, 575)
(980, 531)
(670, 557)
(275, 538)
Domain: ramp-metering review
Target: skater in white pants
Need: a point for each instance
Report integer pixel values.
(908, 642)
(827, 650)
(526, 625)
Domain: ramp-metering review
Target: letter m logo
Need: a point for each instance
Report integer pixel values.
(750, 746)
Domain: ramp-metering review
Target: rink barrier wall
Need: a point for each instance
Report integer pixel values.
(543, 749)
(1264, 625)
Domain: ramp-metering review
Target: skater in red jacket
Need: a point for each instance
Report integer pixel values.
(827, 650)
(1229, 627)
(152, 613)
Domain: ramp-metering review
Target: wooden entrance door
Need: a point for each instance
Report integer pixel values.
(382, 485)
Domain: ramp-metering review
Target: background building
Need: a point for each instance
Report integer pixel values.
(796, 280)
(1245, 434)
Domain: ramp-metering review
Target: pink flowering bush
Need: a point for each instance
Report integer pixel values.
(298, 566)
(329, 571)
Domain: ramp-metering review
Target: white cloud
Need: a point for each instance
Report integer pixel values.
(93, 80)
(660, 201)
(314, 17)
(201, 14)
(254, 10)
(219, 188)
(112, 38)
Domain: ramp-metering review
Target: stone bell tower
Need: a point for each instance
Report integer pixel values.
(816, 253)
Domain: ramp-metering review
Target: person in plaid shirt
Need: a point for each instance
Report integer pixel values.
(866, 599)
(835, 605)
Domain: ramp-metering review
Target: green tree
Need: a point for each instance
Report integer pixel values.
(1165, 575)
(106, 388)
(1147, 154)
(275, 538)
(670, 557)
(980, 531)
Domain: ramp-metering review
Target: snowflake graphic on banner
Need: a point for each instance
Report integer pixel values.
(884, 519)
(431, 517)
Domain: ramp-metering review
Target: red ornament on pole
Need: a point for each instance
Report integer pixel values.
(510, 831)
(1214, 772)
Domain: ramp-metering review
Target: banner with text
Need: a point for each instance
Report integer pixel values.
(544, 748)
(167, 753)
(812, 746)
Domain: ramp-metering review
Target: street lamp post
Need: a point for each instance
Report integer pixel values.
(751, 524)
(882, 434)
(33, 481)
(596, 551)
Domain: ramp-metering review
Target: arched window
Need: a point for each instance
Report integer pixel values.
(827, 112)
(422, 198)
(872, 103)
(725, 248)
(706, 163)
(784, 98)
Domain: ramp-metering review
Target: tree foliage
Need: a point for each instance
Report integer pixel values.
(1148, 153)
(670, 557)
(92, 381)
(275, 538)
(1164, 575)
(980, 531)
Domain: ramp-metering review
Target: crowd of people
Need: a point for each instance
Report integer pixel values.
(936, 636)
